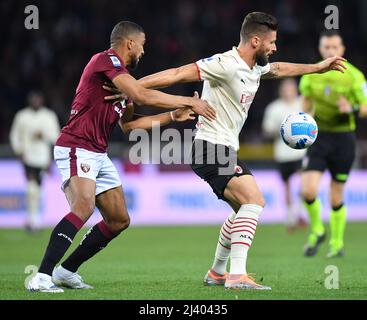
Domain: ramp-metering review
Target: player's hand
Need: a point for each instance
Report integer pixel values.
(332, 63)
(201, 107)
(183, 114)
(117, 95)
(344, 105)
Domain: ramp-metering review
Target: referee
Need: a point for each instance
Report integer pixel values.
(334, 99)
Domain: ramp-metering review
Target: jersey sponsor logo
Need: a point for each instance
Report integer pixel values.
(85, 167)
(238, 169)
(247, 98)
(115, 61)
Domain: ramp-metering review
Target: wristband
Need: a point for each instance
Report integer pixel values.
(172, 116)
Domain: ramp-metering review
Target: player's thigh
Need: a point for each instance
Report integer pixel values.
(80, 193)
(310, 182)
(78, 168)
(112, 205)
(336, 194)
(244, 190)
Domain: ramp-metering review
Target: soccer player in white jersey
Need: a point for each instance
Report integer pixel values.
(33, 133)
(288, 160)
(231, 80)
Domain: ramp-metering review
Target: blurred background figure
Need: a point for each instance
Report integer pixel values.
(34, 131)
(289, 161)
(335, 102)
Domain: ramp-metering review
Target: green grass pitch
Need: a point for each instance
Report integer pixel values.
(170, 262)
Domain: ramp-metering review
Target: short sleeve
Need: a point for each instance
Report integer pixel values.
(265, 69)
(110, 65)
(214, 68)
(304, 86)
(360, 88)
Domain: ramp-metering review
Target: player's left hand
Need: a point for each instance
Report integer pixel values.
(117, 95)
(332, 63)
(183, 114)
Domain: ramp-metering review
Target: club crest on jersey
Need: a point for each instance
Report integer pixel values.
(120, 111)
(238, 169)
(85, 167)
(115, 61)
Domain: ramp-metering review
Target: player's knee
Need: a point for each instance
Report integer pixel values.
(308, 195)
(336, 200)
(120, 224)
(259, 200)
(252, 198)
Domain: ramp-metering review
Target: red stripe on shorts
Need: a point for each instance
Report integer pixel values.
(73, 166)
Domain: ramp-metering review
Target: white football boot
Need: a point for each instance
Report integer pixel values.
(42, 282)
(66, 278)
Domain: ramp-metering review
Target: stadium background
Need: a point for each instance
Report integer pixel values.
(51, 59)
(136, 264)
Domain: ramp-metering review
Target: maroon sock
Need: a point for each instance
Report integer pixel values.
(94, 241)
(61, 238)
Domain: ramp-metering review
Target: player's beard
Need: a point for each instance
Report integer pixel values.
(134, 63)
(262, 59)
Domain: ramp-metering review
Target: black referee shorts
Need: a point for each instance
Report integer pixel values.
(334, 151)
(216, 164)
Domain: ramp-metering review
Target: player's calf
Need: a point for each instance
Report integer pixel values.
(96, 239)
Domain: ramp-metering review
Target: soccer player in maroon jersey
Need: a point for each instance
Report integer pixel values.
(89, 177)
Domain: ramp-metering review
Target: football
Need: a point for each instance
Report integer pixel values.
(299, 130)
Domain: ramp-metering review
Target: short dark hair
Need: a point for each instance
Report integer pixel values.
(330, 33)
(257, 23)
(123, 30)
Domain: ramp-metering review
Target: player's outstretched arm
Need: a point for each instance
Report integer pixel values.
(162, 119)
(142, 96)
(285, 69)
(167, 78)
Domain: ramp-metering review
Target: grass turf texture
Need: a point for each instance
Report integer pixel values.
(170, 262)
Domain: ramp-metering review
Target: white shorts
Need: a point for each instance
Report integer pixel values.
(86, 164)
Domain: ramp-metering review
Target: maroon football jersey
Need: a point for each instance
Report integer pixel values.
(92, 119)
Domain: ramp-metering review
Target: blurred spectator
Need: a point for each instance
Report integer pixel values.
(33, 132)
(289, 161)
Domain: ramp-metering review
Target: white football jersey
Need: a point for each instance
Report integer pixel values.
(229, 87)
(27, 124)
(274, 114)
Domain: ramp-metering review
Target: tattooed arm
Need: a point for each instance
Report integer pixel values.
(285, 69)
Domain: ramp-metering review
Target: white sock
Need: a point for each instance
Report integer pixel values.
(33, 202)
(242, 234)
(223, 246)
